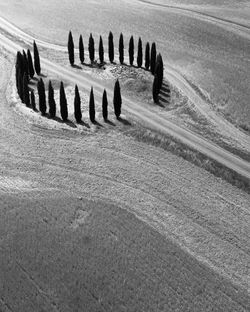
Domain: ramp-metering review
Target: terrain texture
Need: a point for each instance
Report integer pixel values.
(93, 220)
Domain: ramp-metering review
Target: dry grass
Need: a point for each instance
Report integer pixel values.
(178, 148)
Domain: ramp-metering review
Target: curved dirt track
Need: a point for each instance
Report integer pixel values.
(238, 28)
(152, 120)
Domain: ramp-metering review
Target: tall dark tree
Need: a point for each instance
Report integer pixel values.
(91, 48)
(155, 89)
(26, 65)
(139, 53)
(105, 105)
(71, 49)
(32, 100)
(101, 51)
(81, 50)
(111, 47)
(20, 85)
(20, 62)
(63, 103)
(77, 105)
(121, 49)
(117, 100)
(159, 69)
(51, 101)
(30, 65)
(153, 58)
(42, 96)
(26, 95)
(147, 56)
(19, 68)
(131, 50)
(92, 106)
(36, 59)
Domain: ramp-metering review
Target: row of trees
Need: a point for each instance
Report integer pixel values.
(117, 102)
(25, 70)
(158, 78)
(150, 54)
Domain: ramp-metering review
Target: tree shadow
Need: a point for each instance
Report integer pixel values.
(59, 120)
(161, 100)
(165, 88)
(124, 121)
(32, 88)
(109, 122)
(165, 94)
(96, 123)
(43, 75)
(76, 66)
(82, 123)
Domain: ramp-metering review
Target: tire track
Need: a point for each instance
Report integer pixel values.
(238, 28)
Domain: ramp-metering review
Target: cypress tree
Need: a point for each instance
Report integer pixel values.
(153, 58)
(42, 96)
(25, 64)
(159, 71)
(111, 47)
(131, 51)
(117, 100)
(51, 101)
(32, 100)
(147, 56)
(105, 105)
(121, 49)
(139, 53)
(92, 106)
(81, 50)
(20, 86)
(30, 65)
(26, 95)
(77, 105)
(63, 103)
(101, 51)
(17, 76)
(36, 59)
(91, 48)
(71, 49)
(19, 67)
(155, 89)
